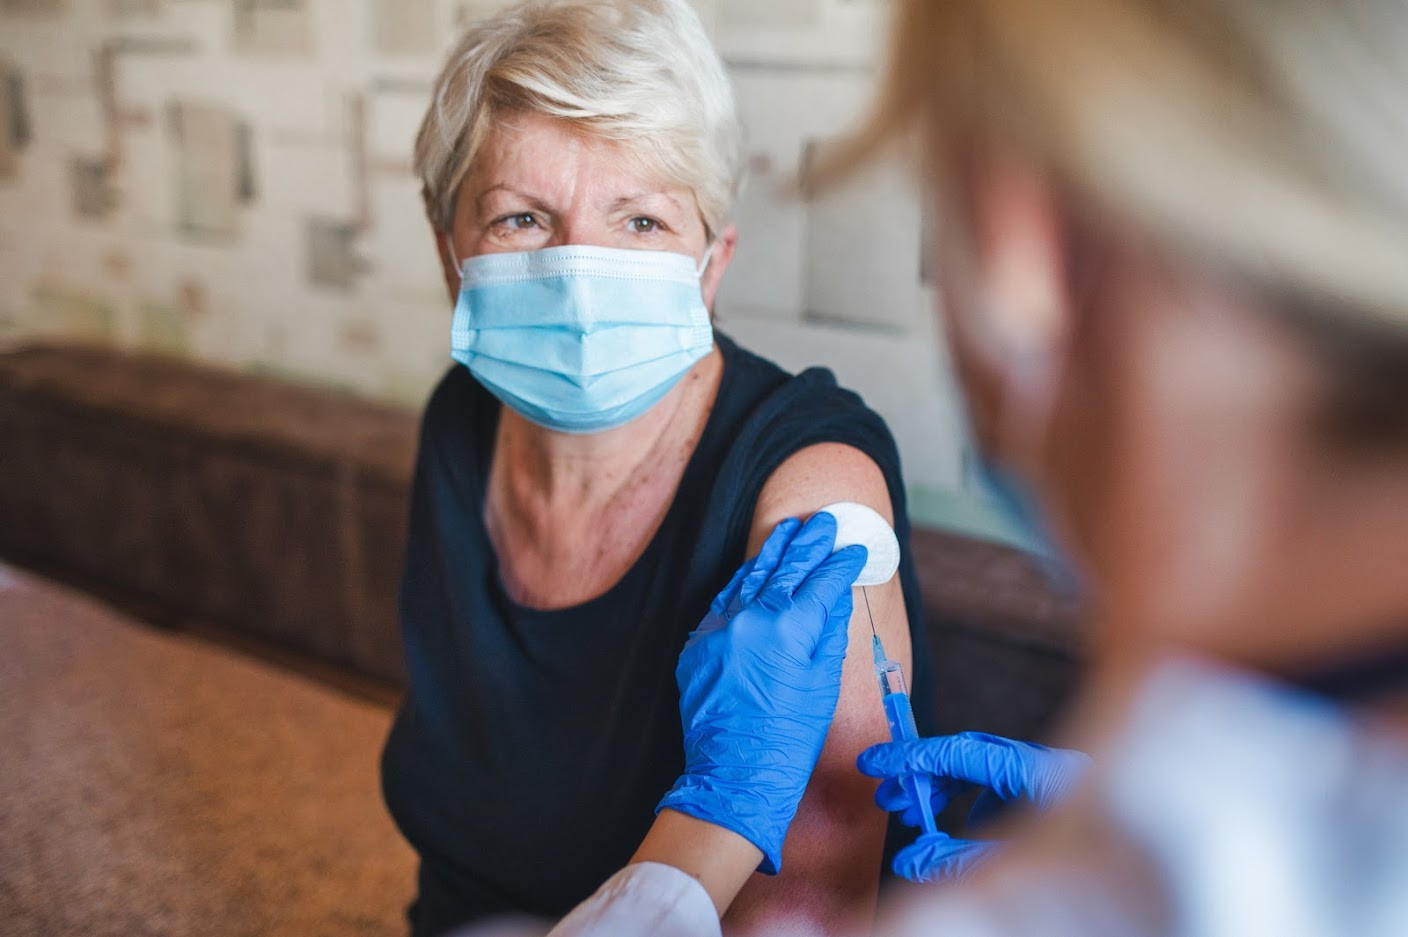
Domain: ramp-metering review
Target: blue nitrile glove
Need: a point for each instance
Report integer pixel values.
(1007, 770)
(759, 679)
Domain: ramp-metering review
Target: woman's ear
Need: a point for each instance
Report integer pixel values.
(719, 260)
(1022, 290)
(448, 268)
(1012, 323)
(444, 241)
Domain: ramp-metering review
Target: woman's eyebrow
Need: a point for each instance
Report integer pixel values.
(645, 198)
(532, 200)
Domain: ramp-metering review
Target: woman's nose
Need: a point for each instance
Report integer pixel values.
(577, 228)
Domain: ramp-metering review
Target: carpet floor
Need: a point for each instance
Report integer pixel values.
(153, 784)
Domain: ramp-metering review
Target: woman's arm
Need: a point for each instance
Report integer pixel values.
(832, 856)
(760, 679)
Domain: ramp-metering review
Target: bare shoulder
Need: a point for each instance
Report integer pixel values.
(814, 477)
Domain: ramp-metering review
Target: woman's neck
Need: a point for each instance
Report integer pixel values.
(569, 515)
(575, 471)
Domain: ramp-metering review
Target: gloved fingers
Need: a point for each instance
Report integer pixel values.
(1017, 769)
(833, 577)
(767, 559)
(723, 603)
(826, 597)
(1001, 742)
(829, 651)
(988, 761)
(891, 797)
(809, 549)
(1009, 768)
(936, 857)
(1061, 771)
(892, 759)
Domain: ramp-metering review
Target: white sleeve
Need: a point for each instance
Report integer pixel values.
(647, 898)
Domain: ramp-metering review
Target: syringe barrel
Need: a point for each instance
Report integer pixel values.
(891, 678)
(899, 713)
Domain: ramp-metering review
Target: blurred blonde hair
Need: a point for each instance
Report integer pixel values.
(1269, 137)
(641, 73)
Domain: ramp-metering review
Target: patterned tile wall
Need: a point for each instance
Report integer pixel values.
(228, 180)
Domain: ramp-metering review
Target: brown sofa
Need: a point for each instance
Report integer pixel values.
(278, 511)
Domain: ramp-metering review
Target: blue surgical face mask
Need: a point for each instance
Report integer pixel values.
(580, 339)
(1017, 504)
(1030, 388)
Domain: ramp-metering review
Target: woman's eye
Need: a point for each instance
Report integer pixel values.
(519, 222)
(643, 225)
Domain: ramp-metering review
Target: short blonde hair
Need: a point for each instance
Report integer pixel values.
(1267, 135)
(638, 72)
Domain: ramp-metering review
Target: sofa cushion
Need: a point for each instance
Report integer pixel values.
(253, 503)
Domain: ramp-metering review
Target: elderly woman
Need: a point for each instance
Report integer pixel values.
(1176, 272)
(593, 470)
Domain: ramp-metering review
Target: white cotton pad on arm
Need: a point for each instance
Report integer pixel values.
(856, 523)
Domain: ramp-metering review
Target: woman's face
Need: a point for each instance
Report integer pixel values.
(540, 183)
(1007, 311)
(1161, 412)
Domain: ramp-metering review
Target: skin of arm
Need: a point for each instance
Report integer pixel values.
(831, 858)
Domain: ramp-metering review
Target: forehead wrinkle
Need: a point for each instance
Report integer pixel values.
(645, 198)
(519, 157)
(532, 200)
(559, 167)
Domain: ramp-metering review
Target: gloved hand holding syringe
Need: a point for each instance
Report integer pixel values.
(856, 523)
(1008, 770)
(759, 681)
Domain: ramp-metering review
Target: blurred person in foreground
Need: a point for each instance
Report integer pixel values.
(1175, 264)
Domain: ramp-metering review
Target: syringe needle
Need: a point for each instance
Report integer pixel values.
(866, 595)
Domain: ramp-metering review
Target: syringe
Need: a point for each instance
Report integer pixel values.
(856, 523)
(900, 714)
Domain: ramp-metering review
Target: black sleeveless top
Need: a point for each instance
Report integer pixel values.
(532, 746)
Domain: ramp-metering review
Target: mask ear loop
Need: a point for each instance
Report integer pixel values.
(1035, 355)
(704, 264)
(459, 264)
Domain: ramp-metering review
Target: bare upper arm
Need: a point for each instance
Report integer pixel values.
(831, 859)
